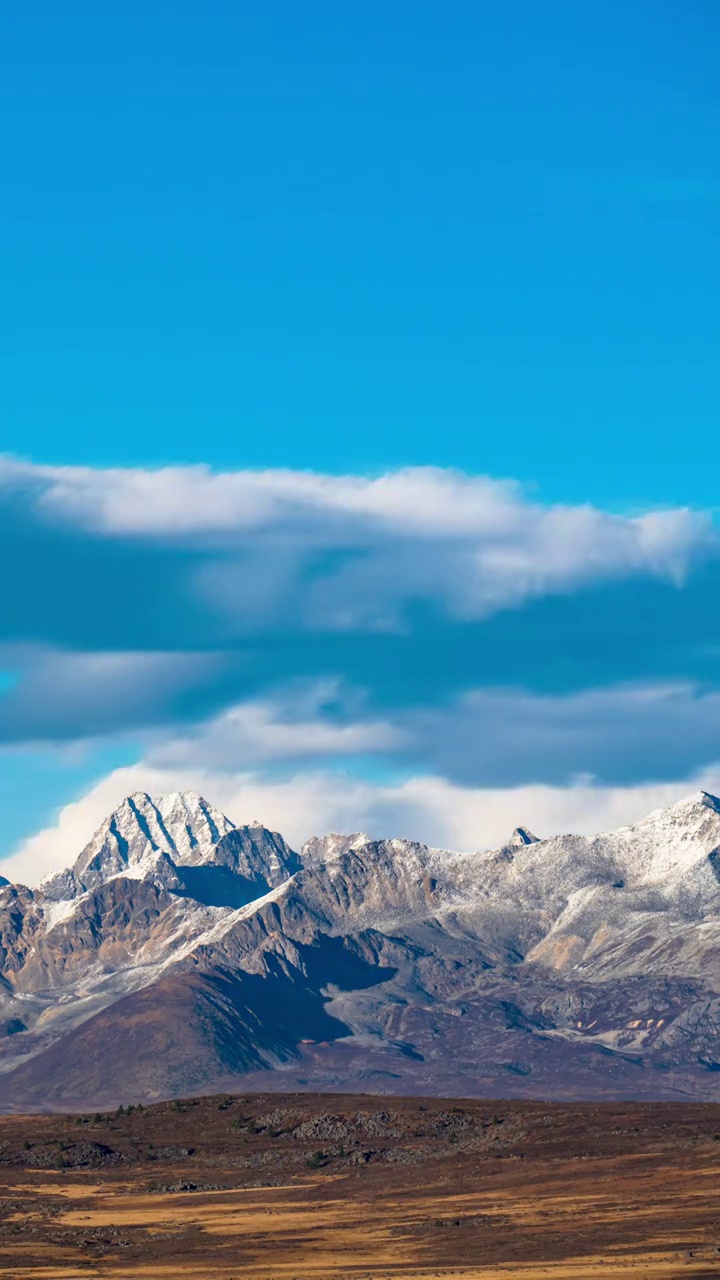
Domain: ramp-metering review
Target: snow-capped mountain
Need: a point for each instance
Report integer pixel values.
(180, 952)
(148, 840)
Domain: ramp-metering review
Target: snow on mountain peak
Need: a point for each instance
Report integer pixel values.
(332, 846)
(162, 838)
(670, 842)
(139, 837)
(699, 799)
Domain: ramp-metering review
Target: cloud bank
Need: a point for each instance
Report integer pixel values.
(352, 551)
(435, 640)
(428, 809)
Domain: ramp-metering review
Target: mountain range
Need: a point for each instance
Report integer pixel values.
(181, 953)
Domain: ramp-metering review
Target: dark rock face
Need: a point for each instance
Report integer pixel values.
(181, 952)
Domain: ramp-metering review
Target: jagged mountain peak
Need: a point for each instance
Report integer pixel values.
(697, 800)
(181, 825)
(326, 848)
(691, 808)
(672, 846)
(170, 840)
(521, 837)
(178, 809)
(677, 836)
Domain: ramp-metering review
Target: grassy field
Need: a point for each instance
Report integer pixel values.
(282, 1187)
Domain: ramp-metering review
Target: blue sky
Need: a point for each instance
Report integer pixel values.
(357, 241)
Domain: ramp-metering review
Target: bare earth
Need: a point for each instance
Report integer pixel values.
(288, 1187)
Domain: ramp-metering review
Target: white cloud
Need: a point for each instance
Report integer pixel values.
(351, 551)
(289, 727)
(423, 808)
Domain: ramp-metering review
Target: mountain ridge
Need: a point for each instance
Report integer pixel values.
(545, 967)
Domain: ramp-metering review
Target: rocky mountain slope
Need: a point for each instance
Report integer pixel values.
(182, 953)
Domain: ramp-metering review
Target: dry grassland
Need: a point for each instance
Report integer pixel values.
(358, 1188)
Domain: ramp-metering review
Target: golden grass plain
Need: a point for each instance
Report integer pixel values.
(420, 1189)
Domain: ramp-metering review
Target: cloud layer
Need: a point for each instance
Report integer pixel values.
(419, 624)
(500, 737)
(352, 551)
